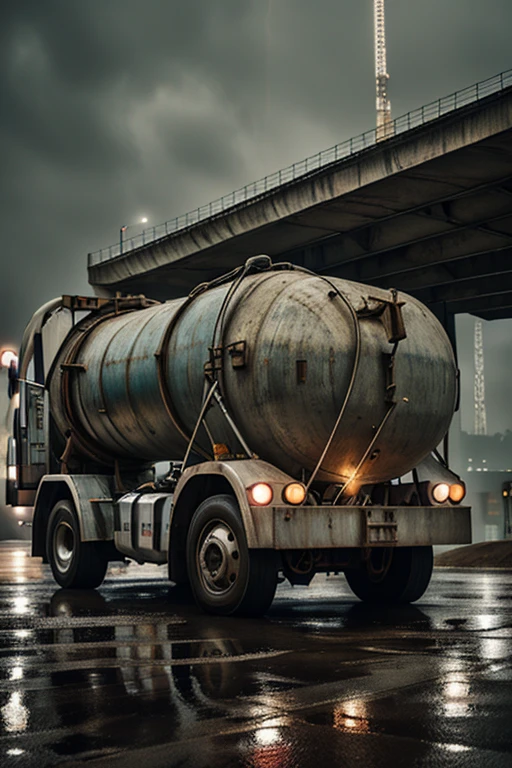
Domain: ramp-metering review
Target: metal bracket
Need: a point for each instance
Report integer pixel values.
(81, 367)
(233, 426)
(75, 303)
(389, 362)
(215, 363)
(381, 533)
(389, 311)
(238, 353)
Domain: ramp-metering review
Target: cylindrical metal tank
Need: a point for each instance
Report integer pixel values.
(131, 386)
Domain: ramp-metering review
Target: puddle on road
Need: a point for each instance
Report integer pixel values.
(138, 666)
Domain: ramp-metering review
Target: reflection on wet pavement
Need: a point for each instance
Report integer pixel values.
(134, 674)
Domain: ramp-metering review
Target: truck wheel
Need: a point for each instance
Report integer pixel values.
(398, 575)
(75, 564)
(225, 576)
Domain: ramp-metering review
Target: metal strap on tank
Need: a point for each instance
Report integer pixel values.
(389, 399)
(345, 485)
(355, 367)
(390, 389)
(260, 263)
(162, 359)
(200, 418)
(161, 356)
(241, 274)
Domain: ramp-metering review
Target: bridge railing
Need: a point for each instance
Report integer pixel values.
(354, 146)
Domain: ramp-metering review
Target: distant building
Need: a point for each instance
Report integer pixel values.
(486, 467)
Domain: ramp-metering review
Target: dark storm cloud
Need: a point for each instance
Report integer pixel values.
(447, 44)
(111, 109)
(76, 70)
(107, 107)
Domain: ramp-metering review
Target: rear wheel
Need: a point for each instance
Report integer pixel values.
(227, 577)
(389, 575)
(75, 564)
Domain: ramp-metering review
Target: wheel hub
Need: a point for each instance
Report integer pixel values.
(219, 557)
(63, 545)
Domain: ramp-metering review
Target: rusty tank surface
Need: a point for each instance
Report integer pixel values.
(302, 362)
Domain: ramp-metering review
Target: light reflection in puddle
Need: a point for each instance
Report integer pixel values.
(266, 736)
(456, 748)
(456, 689)
(456, 696)
(270, 749)
(20, 605)
(16, 673)
(485, 621)
(17, 553)
(15, 714)
(493, 649)
(351, 715)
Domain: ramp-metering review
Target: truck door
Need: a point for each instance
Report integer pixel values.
(31, 431)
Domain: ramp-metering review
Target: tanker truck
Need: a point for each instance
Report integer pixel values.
(299, 420)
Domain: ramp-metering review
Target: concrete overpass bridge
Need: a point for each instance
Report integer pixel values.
(427, 211)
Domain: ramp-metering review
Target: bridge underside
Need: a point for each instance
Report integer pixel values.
(428, 212)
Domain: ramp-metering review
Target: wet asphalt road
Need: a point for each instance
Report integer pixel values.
(134, 675)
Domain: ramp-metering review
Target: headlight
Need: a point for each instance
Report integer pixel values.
(260, 494)
(457, 492)
(441, 492)
(294, 493)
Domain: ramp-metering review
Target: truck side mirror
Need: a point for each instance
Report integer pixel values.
(12, 374)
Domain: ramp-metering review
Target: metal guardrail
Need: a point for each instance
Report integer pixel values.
(347, 148)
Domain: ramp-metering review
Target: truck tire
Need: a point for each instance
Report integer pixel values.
(403, 581)
(227, 577)
(75, 564)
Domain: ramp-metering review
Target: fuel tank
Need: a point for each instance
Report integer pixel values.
(290, 350)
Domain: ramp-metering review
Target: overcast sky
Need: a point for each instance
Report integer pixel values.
(114, 109)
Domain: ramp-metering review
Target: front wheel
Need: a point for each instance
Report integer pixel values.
(227, 577)
(392, 575)
(75, 564)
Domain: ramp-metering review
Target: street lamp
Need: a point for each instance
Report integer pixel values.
(9, 360)
(7, 356)
(123, 229)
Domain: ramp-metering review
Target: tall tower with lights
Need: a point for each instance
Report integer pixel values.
(384, 122)
(480, 412)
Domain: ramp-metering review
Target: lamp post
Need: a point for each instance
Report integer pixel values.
(123, 229)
